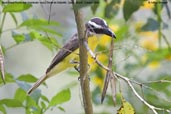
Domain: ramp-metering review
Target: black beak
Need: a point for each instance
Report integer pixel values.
(108, 32)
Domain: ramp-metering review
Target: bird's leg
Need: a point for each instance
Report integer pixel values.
(77, 68)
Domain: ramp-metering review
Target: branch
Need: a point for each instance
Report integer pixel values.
(157, 81)
(83, 62)
(109, 76)
(94, 57)
(128, 81)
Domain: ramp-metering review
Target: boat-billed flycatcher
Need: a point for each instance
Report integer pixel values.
(63, 58)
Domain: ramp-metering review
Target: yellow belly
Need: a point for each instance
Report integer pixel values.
(67, 62)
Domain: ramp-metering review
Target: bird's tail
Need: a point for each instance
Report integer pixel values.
(37, 84)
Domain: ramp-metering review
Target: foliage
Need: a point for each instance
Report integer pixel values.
(142, 53)
(126, 108)
(38, 29)
(16, 7)
(153, 54)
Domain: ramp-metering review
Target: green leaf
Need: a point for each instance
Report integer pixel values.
(20, 95)
(130, 6)
(60, 97)
(11, 102)
(18, 38)
(43, 105)
(27, 78)
(15, 7)
(8, 78)
(126, 108)
(61, 108)
(41, 25)
(35, 34)
(2, 109)
(112, 9)
(44, 98)
(48, 43)
(31, 102)
(38, 22)
(3, 49)
(35, 95)
(46, 30)
(32, 106)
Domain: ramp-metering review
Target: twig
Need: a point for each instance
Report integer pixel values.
(129, 82)
(94, 57)
(2, 71)
(44, 9)
(167, 42)
(157, 81)
(109, 75)
(168, 11)
(50, 12)
(143, 85)
(2, 23)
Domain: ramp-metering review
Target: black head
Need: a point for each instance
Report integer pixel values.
(99, 26)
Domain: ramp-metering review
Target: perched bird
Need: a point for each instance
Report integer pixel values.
(67, 54)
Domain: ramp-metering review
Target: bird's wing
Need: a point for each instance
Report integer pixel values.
(67, 49)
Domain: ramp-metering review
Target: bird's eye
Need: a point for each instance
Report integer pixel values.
(89, 26)
(92, 26)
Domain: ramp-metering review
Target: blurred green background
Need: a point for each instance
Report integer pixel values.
(142, 53)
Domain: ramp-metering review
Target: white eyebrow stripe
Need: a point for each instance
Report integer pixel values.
(94, 24)
(101, 19)
(104, 22)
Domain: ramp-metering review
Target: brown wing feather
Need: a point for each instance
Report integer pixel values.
(67, 49)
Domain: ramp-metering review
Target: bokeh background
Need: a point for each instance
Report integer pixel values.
(142, 53)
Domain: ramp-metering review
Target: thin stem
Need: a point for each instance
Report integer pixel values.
(167, 42)
(2, 24)
(108, 76)
(128, 81)
(94, 57)
(159, 20)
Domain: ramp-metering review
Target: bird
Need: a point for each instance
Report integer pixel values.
(67, 54)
